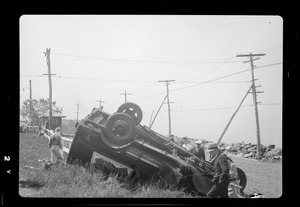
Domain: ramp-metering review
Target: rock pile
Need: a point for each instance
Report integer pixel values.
(249, 150)
(241, 149)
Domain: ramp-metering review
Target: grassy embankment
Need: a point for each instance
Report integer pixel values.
(71, 180)
(75, 181)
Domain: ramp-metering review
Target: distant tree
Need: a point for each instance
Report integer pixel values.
(68, 126)
(40, 107)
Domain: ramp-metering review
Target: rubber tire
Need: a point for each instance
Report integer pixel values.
(115, 141)
(129, 108)
(243, 179)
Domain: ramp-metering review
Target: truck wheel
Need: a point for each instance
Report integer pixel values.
(242, 178)
(120, 130)
(133, 110)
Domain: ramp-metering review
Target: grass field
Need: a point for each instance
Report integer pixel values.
(70, 180)
(262, 177)
(76, 181)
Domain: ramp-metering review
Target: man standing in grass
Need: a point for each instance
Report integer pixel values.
(56, 147)
(221, 169)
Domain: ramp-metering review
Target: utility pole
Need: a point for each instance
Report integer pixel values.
(125, 94)
(254, 93)
(77, 112)
(169, 113)
(151, 123)
(230, 120)
(100, 101)
(30, 96)
(47, 54)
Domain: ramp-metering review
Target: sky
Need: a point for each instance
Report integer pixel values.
(99, 57)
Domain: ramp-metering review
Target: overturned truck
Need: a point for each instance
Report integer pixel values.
(117, 143)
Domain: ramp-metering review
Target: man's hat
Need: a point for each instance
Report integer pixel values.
(211, 147)
(198, 142)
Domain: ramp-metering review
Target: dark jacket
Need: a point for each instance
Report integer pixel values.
(200, 153)
(221, 169)
(55, 139)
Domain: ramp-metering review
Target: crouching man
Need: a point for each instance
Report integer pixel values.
(56, 147)
(221, 177)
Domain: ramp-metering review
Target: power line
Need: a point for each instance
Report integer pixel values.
(208, 109)
(270, 104)
(144, 61)
(192, 110)
(133, 81)
(214, 69)
(158, 94)
(146, 88)
(215, 82)
(204, 82)
(143, 81)
(270, 48)
(222, 77)
(266, 65)
(221, 108)
(89, 57)
(109, 80)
